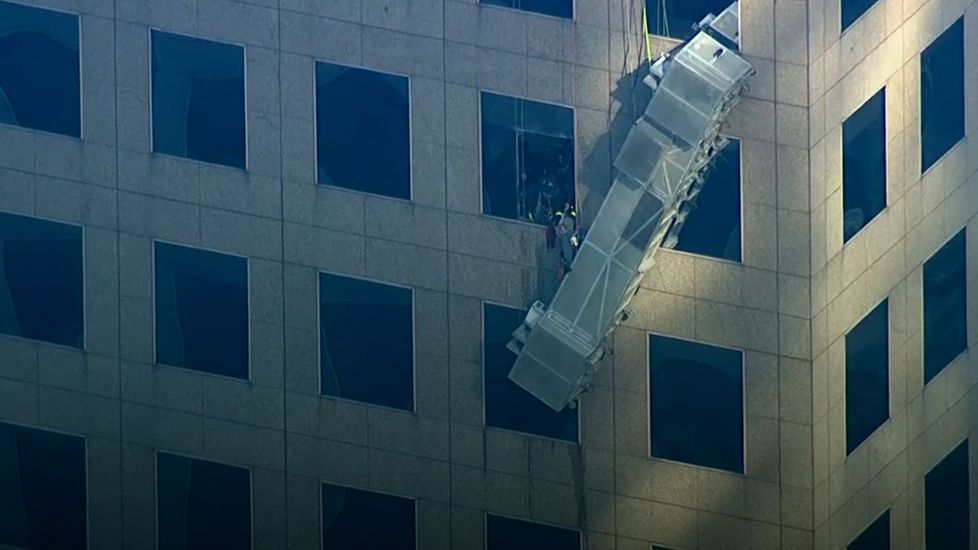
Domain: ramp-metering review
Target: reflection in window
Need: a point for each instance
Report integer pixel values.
(527, 158)
(366, 341)
(945, 306)
(514, 534)
(854, 9)
(354, 519)
(947, 506)
(557, 8)
(39, 69)
(874, 537)
(867, 376)
(713, 227)
(201, 310)
(363, 132)
(42, 490)
(198, 99)
(509, 406)
(864, 165)
(41, 287)
(942, 94)
(697, 403)
(675, 18)
(202, 505)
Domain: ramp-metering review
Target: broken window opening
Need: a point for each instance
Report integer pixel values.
(676, 18)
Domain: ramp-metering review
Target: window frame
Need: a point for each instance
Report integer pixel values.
(843, 27)
(666, 37)
(966, 441)
(889, 375)
(964, 93)
(870, 523)
(485, 527)
(842, 173)
(572, 18)
(322, 528)
(967, 327)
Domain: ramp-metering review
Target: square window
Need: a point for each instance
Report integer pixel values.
(202, 504)
(42, 294)
(508, 406)
(945, 306)
(351, 518)
(43, 489)
(867, 376)
(363, 130)
(353, 314)
(864, 165)
(697, 403)
(874, 537)
(198, 99)
(947, 504)
(556, 8)
(201, 310)
(527, 158)
(713, 227)
(852, 10)
(675, 18)
(39, 69)
(513, 534)
(942, 95)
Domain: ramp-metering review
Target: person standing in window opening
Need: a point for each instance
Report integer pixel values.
(562, 234)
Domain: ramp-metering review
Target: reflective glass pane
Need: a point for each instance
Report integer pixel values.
(713, 227)
(354, 519)
(867, 376)
(853, 9)
(513, 534)
(874, 537)
(947, 504)
(942, 94)
(945, 306)
(675, 18)
(864, 165)
(557, 8)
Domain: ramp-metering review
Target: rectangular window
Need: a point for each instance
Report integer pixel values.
(712, 228)
(864, 165)
(867, 376)
(363, 130)
(509, 406)
(366, 341)
(854, 9)
(202, 504)
(355, 519)
(697, 403)
(39, 69)
(947, 506)
(513, 534)
(675, 18)
(942, 94)
(42, 295)
(945, 306)
(198, 99)
(556, 8)
(527, 158)
(874, 537)
(201, 310)
(43, 489)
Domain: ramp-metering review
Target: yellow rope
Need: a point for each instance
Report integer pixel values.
(645, 29)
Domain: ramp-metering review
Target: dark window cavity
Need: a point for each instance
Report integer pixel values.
(41, 287)
(42, 490)
(366, 339)
(942, 94)
(854, 9)
(527, 158)
(201, 310)
(509, 406)
(675, 18)
(947, 506)
(514, 534)
(874, 537)
(39, 69)
(202, 505)
(697, 403)
(198, 99)
(864, 165)
(556, 8)
(363, 130)
(867, 376)
(354, 519)
(713, 227)
(945, 306)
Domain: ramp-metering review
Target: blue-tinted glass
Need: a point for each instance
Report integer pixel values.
(947, 506)
(697, 402)
(201, 310)
(945, 306)
(867, 376)
(713, 227)
(198, 99)
(942, 94)
(557, 8)
(509, 406)
(366, 341)
(864, 165)
(41, 289)
(853, 9)
(202, 505)
(527, 158)
(363, 130)
(42, 490)
(513, 534)
(39, 69)
(675, 18)
(354, 519)
(874, 537)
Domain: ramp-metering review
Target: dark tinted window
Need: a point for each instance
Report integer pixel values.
(42, 490)
(527, 158)
(201, 310)
(864, 165)
(947, 507)
(198, 99)
(867, 376)
(363, 132)
(945, 306)
(366, 339)
(874, 537)
(41, 289)
(853, 9)
(697, 403)
(509, 406)
(713, 227)
(942, 94)
(354, 519)
(557, 8)
(513, 534)
(202, 505)
(39, 69)
(675, 18)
